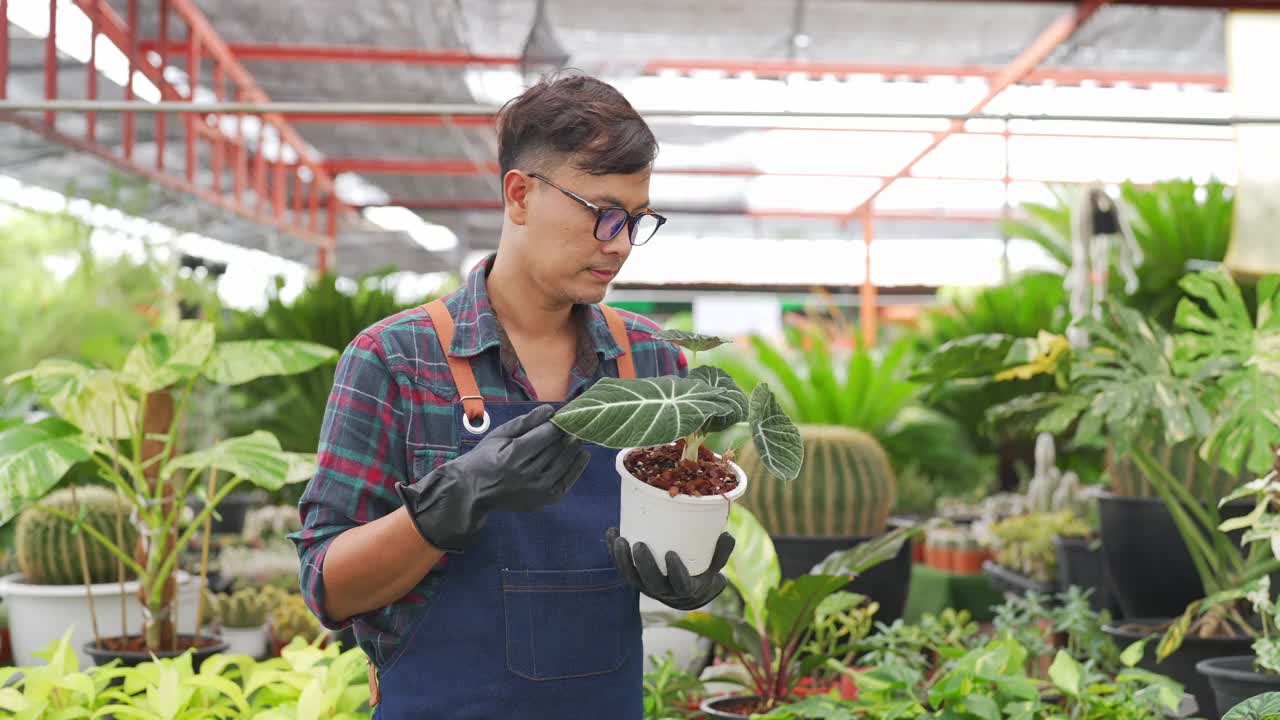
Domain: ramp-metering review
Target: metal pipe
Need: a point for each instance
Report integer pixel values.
(430, 109)
(50, 61)
(4, 49)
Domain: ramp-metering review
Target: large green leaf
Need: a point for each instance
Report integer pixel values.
(256, 457)
(868, 554)
(792, 606)
(1259, 707)
(86, 397)
(642, 412)
(976, 356)
(241, 361)
(161, 359)
(1225, 343)
(692, 341)
(776, 438)
(734, 397)
(732, 633)
(753, 567)
(33, 458)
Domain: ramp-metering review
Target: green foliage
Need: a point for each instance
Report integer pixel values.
(1027, 305)
(779, 618)
(1025, 543)
(98, 407)
(292, 408)
(867, 391)
(48, 546)
(244, 608)
(669, 691)
(1176, 223)
(1259, 707)
(846, 486)
(306, 682)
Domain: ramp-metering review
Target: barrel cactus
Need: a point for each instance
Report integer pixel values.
(291, 618)
(245, 608)
(48, 551)
(846, 486)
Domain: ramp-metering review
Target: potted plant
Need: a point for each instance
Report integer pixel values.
(676, 493)
(241, 618)
(126, 421)
(291, 620)
(777, 639)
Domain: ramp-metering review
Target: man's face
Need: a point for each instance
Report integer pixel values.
(565, 257)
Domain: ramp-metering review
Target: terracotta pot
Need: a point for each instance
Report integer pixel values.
(969, 562)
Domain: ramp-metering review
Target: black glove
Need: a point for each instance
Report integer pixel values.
(522, 466)
(677, 589)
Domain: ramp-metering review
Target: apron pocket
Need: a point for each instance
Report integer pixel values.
(565, 623)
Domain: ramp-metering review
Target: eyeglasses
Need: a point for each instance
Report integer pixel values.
(610, 220)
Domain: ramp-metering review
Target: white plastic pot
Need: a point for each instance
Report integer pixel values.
(688, 525)
(40, 614)
(248, 641)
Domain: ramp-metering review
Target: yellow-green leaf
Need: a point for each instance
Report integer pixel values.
(234, 363)
(33, 458)
(256, 457)
(87, 397)
(162, 359)
(753, 566)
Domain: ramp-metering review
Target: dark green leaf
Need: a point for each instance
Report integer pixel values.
(642, 412)
(776, 438)
(734, 397)
(753, 567)
(866, 555)
(731, 633)
(692, 341)
(792, 606)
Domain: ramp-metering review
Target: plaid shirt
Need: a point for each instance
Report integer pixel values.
(390, 419)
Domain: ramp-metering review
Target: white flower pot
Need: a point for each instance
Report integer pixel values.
(250, 641)
(40, 614)
(688, 525)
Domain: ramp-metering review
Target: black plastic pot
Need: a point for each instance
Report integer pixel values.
(886, 583)
(1182, 664)
(712, 707)
(230, 513)
(1085, 567)
(1013, 582)
(1234, 680)
(1151, 571)
(102, 656)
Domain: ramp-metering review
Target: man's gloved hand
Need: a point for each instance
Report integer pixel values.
(677, 589)
(521, 466)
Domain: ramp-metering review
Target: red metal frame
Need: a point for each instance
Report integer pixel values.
(273, 180)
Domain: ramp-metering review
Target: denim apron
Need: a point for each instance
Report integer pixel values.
(532, 620)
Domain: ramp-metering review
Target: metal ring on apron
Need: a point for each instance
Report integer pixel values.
(466, 419)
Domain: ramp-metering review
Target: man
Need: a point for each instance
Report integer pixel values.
(470, 542)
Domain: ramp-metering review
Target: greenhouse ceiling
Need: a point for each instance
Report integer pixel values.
(360, 190)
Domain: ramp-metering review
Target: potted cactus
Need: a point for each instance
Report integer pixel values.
(241, 617)
(676, 492)
(127, 421)
(292, 619)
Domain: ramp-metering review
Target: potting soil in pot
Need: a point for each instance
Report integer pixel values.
(663, 468)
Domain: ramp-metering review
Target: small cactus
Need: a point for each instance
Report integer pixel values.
(48, 551)
(246, 608)
(292, 618)
(1051, 490)
(270, 522)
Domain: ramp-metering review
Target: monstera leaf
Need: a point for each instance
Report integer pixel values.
(776, 438)
(642, 412)
(692, 341)
(734, 397)
(1244, 358)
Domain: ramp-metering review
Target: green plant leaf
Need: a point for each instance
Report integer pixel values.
(734, 634)
(983, 707)
(692, 341)
(868, 554)
(1243, 356)
(1259, 707)
(791, 607)
(256, 457)
(734, 397)
(87, 397)
(161, 359)
(975, 356)
(1065, 673)
(241, 361)
(753, 567)
(1132, 654)
(643, 412)
(33, 458)
(776, 438)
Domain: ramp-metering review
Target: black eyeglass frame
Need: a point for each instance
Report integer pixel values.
(600, 211)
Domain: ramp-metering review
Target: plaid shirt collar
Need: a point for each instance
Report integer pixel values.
(473, 338)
